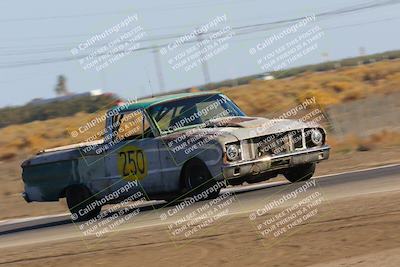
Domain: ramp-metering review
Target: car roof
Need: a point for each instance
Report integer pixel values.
(147, 102)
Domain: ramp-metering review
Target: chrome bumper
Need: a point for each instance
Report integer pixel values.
(270, 163)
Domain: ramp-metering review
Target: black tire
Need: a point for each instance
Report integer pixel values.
(80, 198)
(300, 173)
(236, 181)
(198, 179)
(261, 177)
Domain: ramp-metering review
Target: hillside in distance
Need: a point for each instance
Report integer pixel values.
(258, 98)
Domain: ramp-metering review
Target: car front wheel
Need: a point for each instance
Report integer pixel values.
(198, 180)
(300, 173)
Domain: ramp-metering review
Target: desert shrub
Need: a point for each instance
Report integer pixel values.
(7, 156)
(339, 86)
(29, 113)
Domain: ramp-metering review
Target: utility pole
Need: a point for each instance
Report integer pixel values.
(103, 79)
(157, 62)
(204, 64)
(325, 56)
(361, 51)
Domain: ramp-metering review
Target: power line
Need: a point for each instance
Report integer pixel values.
(253, 27)
(127, 11)
(248, 30)
(66, 59)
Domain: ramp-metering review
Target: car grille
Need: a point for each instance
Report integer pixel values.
(279, 143)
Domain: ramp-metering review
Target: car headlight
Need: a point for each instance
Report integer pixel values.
(233, 152)
(316, 137)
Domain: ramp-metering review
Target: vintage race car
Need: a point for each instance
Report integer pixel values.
(169, 147)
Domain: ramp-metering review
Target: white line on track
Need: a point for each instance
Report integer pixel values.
(237, 189)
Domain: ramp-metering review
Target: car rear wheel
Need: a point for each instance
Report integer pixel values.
(81, 203)
(300, 173)
(198, 180)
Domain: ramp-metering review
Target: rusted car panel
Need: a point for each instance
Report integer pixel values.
(230, 146)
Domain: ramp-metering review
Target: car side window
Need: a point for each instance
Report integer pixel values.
(133, 125)
(165, 116)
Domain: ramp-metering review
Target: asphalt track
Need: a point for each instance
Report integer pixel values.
(247, 200)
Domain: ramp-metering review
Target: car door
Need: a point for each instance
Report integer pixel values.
(134, 160)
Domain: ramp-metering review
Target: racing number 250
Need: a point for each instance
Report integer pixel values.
(132, 163)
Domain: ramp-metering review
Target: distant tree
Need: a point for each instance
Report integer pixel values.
(29, 113)
(194, 89)
(61, 87)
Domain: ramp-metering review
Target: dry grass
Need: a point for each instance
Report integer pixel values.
(329, 88)
(29, 138)
(256, 98)
(353, 143)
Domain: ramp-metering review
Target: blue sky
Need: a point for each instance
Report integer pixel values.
(33, 31)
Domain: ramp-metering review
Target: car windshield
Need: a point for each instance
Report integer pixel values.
(188, 112)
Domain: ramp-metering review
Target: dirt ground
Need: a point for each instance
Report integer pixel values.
(355, 231)
(13, 206)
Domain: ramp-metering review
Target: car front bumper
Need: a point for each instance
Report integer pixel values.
(271, 163)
